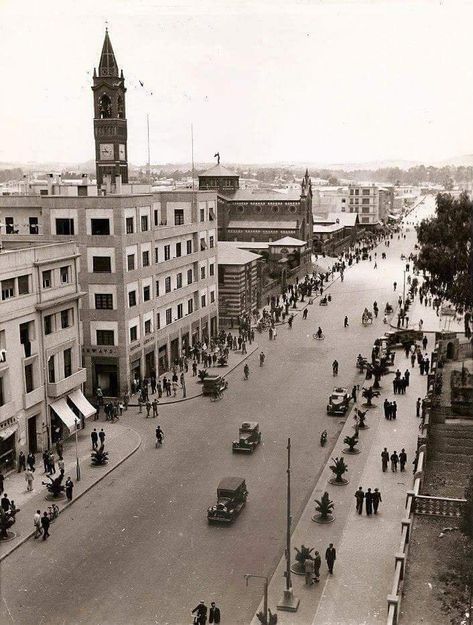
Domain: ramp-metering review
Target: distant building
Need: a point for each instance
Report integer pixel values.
(364, 200)
(41, 376)
(334, 232)
(330, 199)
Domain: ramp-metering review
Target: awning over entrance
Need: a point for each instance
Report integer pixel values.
(83, 405)
(7, 432)
(66, 415)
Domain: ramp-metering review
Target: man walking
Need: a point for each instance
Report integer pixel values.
(309, 571)
(29, 477)
(330, 557)
(359, 496)
(37, 524)
(402, 459)
(384, 459)
(201, 614)
(214, 613)
(418, 405)
(69, 486)
(376, 497)
(94, 438)
(155, 407)
(317, 564)
(369, 502)
(394, 461)
(102, 437)
(45, 523)
(345, 322)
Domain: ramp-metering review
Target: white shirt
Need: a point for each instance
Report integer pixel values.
(37, 519)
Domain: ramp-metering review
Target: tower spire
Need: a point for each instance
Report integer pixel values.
(108, 64)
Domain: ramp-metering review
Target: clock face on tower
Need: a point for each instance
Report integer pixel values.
(121, 152)
(106, 151)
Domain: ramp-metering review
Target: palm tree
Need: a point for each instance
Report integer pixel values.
(351, 441)
(325, 508)
(339, 468)
(302, 555)
(99, 457)
(368, 394)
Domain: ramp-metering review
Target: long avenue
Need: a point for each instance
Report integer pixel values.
(137, 548)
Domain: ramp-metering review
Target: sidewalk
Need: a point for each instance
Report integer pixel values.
(432, 321)
(120, 441)
(366, 546)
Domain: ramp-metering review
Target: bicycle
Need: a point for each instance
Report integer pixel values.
(318, 337)
(53, 512)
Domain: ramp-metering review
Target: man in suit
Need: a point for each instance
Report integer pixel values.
(330, 557)
(45, 523)
(359, 495)
(201, 614)
(214, 613)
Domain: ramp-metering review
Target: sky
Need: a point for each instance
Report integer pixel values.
(261, 81)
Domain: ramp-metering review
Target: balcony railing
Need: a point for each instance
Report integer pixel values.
(55, 389)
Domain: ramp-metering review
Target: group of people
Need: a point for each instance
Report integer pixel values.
(201, 610)
(401, 382)
(390, 409)
(313, 562)
(395, 458)
(370, 498)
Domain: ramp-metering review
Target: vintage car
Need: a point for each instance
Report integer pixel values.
(249, 437)
(403, 336)
(231, 499)
(338, 401)
(214, 384)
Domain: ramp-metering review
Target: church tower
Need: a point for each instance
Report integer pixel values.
(110, 129)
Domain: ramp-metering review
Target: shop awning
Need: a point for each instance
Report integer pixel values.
(81, 402)
(66, 415)
(7, 432)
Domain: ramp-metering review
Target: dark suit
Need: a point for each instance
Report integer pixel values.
(201, 616)
(330, 557)
(214, 615)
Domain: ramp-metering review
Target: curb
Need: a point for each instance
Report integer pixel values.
(81, 494)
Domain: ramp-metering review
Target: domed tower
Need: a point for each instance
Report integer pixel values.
(110, 127)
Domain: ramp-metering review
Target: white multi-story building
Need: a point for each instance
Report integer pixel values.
(41, 376)
(364, 200)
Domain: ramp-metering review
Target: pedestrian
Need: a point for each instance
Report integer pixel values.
(305, 313)
(126, 399)
(418, 405)
(21, 462)
(384, 459)
(46, 460)
(261, 359)
(353, 393)
(330, 557)
(426, 366)
(194, 368)
(174, 389)
(159, 388)
(359, 496)
(394, 410)
(140, 405)
(413, 359)
(386, 406)
(394, 461)
(69, 487)
(201, 614)
(317, 565)
(345, 322)
(369, 502)
(402, 459)
(37, 524)
(376, 497)
(309, 571)
(94, 438)
(214, 613)
(45, 523)
(30, 461)
(61, 465)
(102, 437)
(52, 466)
(407, 376)
(148, 408)
(424, 342)
(5, 503)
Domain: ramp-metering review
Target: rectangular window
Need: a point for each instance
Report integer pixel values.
(190, 306)
(65, 318)
(202, 214)
(33, 225)
(168, 316)
(133, 333)
(105, 337)
(104, 301)
(202, 273)
(212, 269)
(157, 288)
(23, 285)
(156, 254)
(29, 383)
(64, 272)
(67, 362)
(365, 209)
(212, 297)
(365, 200)
(167, 284)
(178, 217)
(180, 311)
(145, 258)
(102, 264)
(129, 221)
(148, 326)
(203, 301)
(203, 245)
(211, 241)
(47, 279)
(9, 225)
(167, 252)
(366, 191)
(146, 293)
(48, 324)
(189, 276)
(8, 289)
(178, 250)
(100, 226)
(130, 262)
(144, 223)
(158, 321)
(156, 218)
(179, 280)
(51, 370)
(132, 299)
(64, 226)
(189, 246)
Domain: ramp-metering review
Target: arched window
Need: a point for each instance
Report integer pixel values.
(120, 111)
(105, 107)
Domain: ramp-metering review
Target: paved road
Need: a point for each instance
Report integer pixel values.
(138, 549)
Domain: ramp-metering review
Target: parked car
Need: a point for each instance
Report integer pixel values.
(403, 336)
(214, 384)
(249, 437)
(231, 499)
(338, 401)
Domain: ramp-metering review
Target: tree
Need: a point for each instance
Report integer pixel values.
(368, 394)
(339, 468)
(446, 255)
(99, 457)
(352, 442)
(324, 507)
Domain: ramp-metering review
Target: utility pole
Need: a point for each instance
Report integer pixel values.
(265, 593)
(289, 603)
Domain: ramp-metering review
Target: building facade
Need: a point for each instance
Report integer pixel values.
(41, 375)
(364, 200)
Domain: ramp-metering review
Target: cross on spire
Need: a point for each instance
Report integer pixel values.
(108, 65)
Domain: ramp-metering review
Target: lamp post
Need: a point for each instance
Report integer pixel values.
(289, 603)
(77, 452)
(265, 593)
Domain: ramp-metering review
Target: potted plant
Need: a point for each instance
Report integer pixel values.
(368, 394)
(352, 442)
(301, 556)
(360, 418)
(55, 487)
(99, 457)
(324, 508)
(202, 374)
(338, 468)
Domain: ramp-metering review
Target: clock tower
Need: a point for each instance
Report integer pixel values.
(110, 129)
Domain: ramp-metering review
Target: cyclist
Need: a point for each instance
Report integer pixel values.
(261, 359)
(335, 367)
(159, 436)
(319, 333)
(246, 371)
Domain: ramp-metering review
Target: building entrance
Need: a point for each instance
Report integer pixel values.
(32, 435)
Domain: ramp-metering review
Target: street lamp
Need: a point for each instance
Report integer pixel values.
(265, 594)
(77, 453)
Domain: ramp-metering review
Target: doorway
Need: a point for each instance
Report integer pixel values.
(32, 436)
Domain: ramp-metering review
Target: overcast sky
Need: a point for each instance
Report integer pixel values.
(261, 80)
